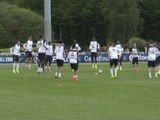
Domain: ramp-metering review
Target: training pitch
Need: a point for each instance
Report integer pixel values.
(33, 96)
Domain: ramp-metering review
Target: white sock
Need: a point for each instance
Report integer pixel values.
(156, 75)
(29, 66)
(56, 74)
(26, 65)
(17, 66)
(150, 75)
(49, 68)
(115, 71)
(59, 75)
(111, 71)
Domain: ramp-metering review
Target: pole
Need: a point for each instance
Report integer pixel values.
(47, 19)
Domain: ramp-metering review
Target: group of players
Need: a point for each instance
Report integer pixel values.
(45, 53)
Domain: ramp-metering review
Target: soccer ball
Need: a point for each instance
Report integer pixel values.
(100, 71)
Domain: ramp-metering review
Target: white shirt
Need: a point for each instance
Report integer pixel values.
(28, 45)
(113, 52)
(78, 48)
(73, 56)
(120, 49)
(152, 51)
(49, 50)
(94, 46)
(41, 46)
(134, 52)
(59, 51)
(15, 50)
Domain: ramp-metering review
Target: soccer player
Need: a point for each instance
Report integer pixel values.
(78, 48)
(49, 54)
(120, 52)
(158, 59)
(41, 44)
(113, 55)
(16, 53)
(134, 52)
(73, 60)
(59, 51)
(93, 47)
(152, 51)
(28, 49)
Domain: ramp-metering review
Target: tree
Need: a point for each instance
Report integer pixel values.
(17, 24)
(123, 17)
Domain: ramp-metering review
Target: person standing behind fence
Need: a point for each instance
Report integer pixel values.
(93, 47)
(113, 55)
(152, 51)
(60, 56)
(120, 52)
(28, 51)
(16, 53)
(49, 56)
(135, 56)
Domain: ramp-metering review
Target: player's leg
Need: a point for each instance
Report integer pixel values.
(39, 59)
(115, 67)
(149, 69)
(60, 69)
(30, 60)
(95, 59)
(120, 63)
(155, 69)
(17, 63)
(14, 64)
(133, 63)
(49, 64)
(111, 68)
(92, 59)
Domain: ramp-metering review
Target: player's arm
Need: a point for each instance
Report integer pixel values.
(11, 49)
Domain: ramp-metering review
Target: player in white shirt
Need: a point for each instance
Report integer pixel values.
(93, 47)
(28, 46)
(73, 60)
(135, 56)
(152, 51)
(41, 44)
(16, 53)
(120, 52)
(60, 53)
(49, 56)
(78, 48)
(158, 58)
(113, 55)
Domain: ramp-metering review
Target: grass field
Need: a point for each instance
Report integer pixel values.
(32, 96)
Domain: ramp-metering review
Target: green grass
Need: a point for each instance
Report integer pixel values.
(30, 96)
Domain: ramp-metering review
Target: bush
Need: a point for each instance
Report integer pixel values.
(17, 24)
(141, 43)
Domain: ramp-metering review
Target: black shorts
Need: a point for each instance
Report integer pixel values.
(48, 58)
(119, 57)
(15, 58)
(74, 66)
(113, 62)
(28, 54)
(60, 63)
(41, 56)
(93, 54)
(152, 64)
(157, 60)
(135, 60)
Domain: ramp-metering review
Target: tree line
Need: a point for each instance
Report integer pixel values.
(107, 20)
